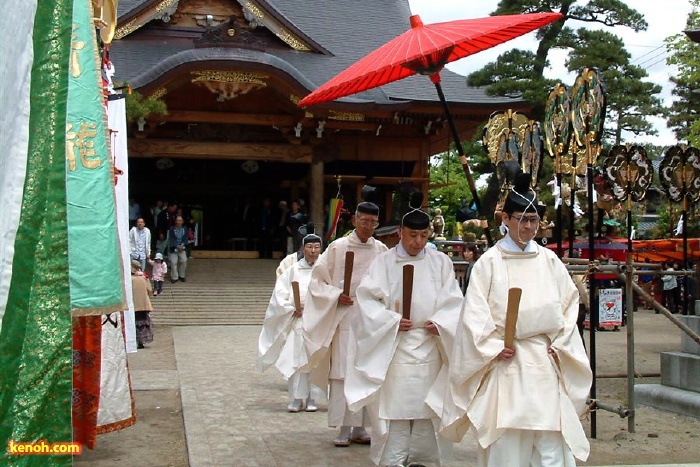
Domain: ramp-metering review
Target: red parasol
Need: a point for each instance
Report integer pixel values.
(426, 49)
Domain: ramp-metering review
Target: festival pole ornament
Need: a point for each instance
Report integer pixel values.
(514, 144)
(587, 119)
(679, 174)
(532, 150)
(557, 136)
(630, 173)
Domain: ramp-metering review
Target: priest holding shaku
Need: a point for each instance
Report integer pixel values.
(409, 304)
(331, 310)
(519, 376)
(281, 341)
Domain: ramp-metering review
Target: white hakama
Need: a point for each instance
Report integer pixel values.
(328, 326)
(518, 407)
(391, 371)
(281, 341)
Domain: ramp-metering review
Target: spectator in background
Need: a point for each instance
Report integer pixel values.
(669, 286)
(296, 219)
(141, 289)
(166, 219)
(192, 235)
(177, 254)
(158, 273)
(471, 255)
(281, 228)
(162, 244)
(246, 221)
(155, 210)
(645, 282)
(134, 212)
(680, 288)
(140, 242)
(266, 225)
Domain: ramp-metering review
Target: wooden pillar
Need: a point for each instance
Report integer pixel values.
(316, 197)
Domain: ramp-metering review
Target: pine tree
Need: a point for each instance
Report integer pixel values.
(684, 114)
(630, 100)
(521, 73)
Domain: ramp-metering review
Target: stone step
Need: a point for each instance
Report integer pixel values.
(217, 292)
(688, 345)
(681, 370)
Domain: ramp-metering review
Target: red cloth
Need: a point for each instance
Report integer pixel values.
(87, 355)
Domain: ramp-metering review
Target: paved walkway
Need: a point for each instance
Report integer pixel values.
(235, 416)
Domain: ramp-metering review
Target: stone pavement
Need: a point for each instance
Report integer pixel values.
(236, 416)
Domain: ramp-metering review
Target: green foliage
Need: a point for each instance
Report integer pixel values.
(685, 54)
(138, 106)
(451, 190)
(521, 73)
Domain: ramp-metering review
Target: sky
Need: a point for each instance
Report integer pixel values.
(665, 18)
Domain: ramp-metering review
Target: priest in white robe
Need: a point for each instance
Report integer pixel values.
(523, 403)
(329, 316)
(289, 260)
(281, 342)
(396, 360)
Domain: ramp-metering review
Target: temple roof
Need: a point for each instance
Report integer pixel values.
(346, 31)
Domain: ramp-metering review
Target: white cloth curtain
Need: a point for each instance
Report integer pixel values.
(17, 55)
(116, 116)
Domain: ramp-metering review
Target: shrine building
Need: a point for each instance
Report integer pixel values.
(231, 73)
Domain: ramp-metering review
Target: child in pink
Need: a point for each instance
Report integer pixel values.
(159, 271)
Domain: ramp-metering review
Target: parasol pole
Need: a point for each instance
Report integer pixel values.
(629, 304)
(593, 320)
(572, 230)
(560, 215)
(587, 116)
(685, 251)
(435, 78)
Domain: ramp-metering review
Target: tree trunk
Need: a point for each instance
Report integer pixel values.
(548, 40)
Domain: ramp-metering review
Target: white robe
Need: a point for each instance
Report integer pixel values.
(391, 371)
(325, 322)
(287, 262)
(532, 391)
(281, 342)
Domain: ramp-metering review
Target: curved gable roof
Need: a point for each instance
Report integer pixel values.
(348, 30)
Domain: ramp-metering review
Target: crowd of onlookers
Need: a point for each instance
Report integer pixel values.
(166, 232)
(171, 246)
(273, 228)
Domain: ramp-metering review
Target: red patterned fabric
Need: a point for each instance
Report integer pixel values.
(87, 344)
(426, 49)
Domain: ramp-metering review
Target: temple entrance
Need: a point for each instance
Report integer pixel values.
(225, 196)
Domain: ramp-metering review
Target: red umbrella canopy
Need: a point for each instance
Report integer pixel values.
(426, 49)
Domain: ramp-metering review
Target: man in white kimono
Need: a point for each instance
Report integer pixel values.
(281, 341)
(396, 360)
(329, 316)
(523, 402)
(295, 256)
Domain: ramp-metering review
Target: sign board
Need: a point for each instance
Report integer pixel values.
(609, 308)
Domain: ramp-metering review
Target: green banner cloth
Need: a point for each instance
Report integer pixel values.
(35, 341)
(93, 244)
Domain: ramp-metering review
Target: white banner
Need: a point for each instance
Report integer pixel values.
(16, 55)
(115, 389)
(116, 115)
